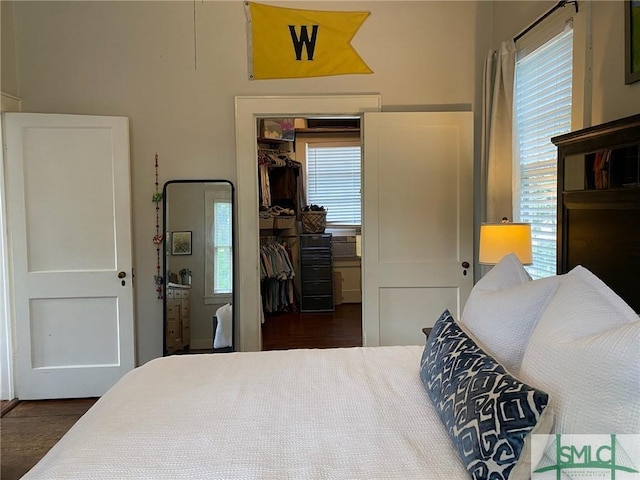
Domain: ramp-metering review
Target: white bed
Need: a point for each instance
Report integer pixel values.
(335, 413)
(567, 348)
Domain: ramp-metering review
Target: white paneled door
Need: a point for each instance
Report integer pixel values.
(418, 222)
(69, 219)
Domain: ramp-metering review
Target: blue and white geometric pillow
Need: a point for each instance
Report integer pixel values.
(488, 413)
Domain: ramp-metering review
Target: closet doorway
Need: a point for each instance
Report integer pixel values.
(309, 171)
(417, 237)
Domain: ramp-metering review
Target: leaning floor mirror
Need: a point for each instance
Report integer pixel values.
(198, 266)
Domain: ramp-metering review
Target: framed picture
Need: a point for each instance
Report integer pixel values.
(181, 243)
(632, 41)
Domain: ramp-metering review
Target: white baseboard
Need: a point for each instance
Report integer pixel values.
(351, 296)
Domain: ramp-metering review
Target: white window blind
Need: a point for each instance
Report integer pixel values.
(333, 180)
(542, 111)
(218, 281)
(223, 274)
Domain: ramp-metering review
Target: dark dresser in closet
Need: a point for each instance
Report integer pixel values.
(316, 273)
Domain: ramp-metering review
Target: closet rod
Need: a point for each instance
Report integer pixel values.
(273, 150)
(560, 4)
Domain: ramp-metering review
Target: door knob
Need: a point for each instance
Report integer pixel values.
(465, 265)
(122, 275)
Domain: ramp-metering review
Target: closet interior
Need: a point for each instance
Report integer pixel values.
(304, 270)
(280, 187)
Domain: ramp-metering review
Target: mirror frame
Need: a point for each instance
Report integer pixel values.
(165, 247)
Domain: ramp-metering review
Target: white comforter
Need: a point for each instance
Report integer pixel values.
(352, 413)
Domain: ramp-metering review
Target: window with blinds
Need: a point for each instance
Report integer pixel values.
(218, 262)
(333, 180)
(222, 244)
(542, 111)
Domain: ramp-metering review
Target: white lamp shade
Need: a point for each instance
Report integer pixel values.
(500, 239)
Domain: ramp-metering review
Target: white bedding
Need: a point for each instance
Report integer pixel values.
(359, 413)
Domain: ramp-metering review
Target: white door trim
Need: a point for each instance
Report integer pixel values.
(6, 328)
(248, 110)
(8, 103)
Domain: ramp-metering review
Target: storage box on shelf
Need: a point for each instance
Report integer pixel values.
(266, 223)
(284, 222)
(277, 129)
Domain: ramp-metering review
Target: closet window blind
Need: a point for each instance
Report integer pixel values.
(333, 181)
(542, 111)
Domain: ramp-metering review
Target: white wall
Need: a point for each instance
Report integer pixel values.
(612, 99)
(137, 59)
(8, 74)
(608, 98)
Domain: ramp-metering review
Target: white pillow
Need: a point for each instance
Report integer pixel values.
(224, 331)
(503, 309)
(585, 353)
(507, 273)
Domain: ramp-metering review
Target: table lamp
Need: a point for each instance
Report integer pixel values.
(500, 239)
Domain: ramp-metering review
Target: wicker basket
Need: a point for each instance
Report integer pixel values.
(313, 221)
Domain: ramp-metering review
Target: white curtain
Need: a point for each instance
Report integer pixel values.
(497, 131)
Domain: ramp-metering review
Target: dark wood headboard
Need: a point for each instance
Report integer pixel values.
(599, 204)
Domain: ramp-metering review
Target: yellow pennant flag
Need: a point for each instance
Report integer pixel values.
(294, 43)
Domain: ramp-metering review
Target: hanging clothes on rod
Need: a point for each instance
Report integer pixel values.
(276, 183)
(277, 158)
(276, 276)
(264, 190)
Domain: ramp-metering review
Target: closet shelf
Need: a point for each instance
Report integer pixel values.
(278, 223)
(321, 130)
(276, 141)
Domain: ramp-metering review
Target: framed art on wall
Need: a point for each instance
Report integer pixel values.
(181, 243)
(632, 41)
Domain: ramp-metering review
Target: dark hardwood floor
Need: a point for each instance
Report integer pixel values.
(31, 428)
(28, 429)
(341, 328)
